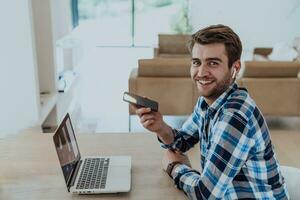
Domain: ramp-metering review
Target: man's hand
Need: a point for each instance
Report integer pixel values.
(171, 156)
(153, 121)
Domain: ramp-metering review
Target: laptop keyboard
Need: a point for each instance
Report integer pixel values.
(93, 174)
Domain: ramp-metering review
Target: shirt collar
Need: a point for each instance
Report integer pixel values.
(213, 108)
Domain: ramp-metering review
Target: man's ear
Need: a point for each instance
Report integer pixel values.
(236, 66)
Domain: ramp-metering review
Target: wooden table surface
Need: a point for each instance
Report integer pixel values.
(30, 170)
(29, 167)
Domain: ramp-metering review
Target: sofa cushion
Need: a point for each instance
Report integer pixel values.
(173, 55)
(274, 96)
(166, 91)
(173, 44)
(264, 51)
(271, 69)
(164, 67)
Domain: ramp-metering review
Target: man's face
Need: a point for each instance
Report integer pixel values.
(210, 70)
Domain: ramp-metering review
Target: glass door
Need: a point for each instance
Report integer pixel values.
(159, 16)
(130, 22)
(105, 22)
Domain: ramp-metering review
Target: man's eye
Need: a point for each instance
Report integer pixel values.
(212, 63)
(195, 62)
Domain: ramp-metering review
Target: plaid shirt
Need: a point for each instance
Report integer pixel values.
(237, 156)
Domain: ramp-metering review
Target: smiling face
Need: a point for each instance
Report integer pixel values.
(210, 70)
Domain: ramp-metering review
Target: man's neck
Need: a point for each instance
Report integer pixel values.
(209, 101)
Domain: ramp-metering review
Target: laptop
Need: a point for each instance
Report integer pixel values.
(90, 174)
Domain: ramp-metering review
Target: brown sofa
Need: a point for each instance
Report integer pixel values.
(172, 46)
(166, 80)
(274, 86)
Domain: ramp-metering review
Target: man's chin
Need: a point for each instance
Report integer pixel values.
(210, 94)
(205, 94)
(204, 91)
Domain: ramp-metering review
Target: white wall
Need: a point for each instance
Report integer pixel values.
(258, 22)
(61, 18)
(20, 46)
(18, 102)
(52, 21)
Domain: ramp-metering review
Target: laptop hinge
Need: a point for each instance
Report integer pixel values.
(74, 175)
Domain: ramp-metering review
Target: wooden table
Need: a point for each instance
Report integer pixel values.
(29, 167)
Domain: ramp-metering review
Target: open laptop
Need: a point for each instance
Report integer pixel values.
(91, 174)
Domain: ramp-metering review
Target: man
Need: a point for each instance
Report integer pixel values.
(237, 156)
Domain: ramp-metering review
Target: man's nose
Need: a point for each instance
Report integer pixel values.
(202, 70)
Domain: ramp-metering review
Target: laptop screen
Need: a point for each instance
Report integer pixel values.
(66, 147)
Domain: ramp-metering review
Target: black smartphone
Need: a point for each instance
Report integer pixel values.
(140, 101)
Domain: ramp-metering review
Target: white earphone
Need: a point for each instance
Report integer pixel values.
(234, 73)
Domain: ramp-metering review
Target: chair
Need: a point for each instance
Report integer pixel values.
(292, 178)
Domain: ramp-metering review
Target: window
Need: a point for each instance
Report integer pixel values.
(154, 17)
(129, 22)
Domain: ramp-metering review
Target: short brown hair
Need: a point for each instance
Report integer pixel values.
(219, 34)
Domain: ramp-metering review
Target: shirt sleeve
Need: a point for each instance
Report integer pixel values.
(186, 137)
(229, 150)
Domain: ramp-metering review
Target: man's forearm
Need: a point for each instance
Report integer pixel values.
(166, 134)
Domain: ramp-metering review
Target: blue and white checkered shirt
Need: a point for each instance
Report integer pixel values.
(237, 156)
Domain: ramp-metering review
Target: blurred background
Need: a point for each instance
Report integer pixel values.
(75, 56)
